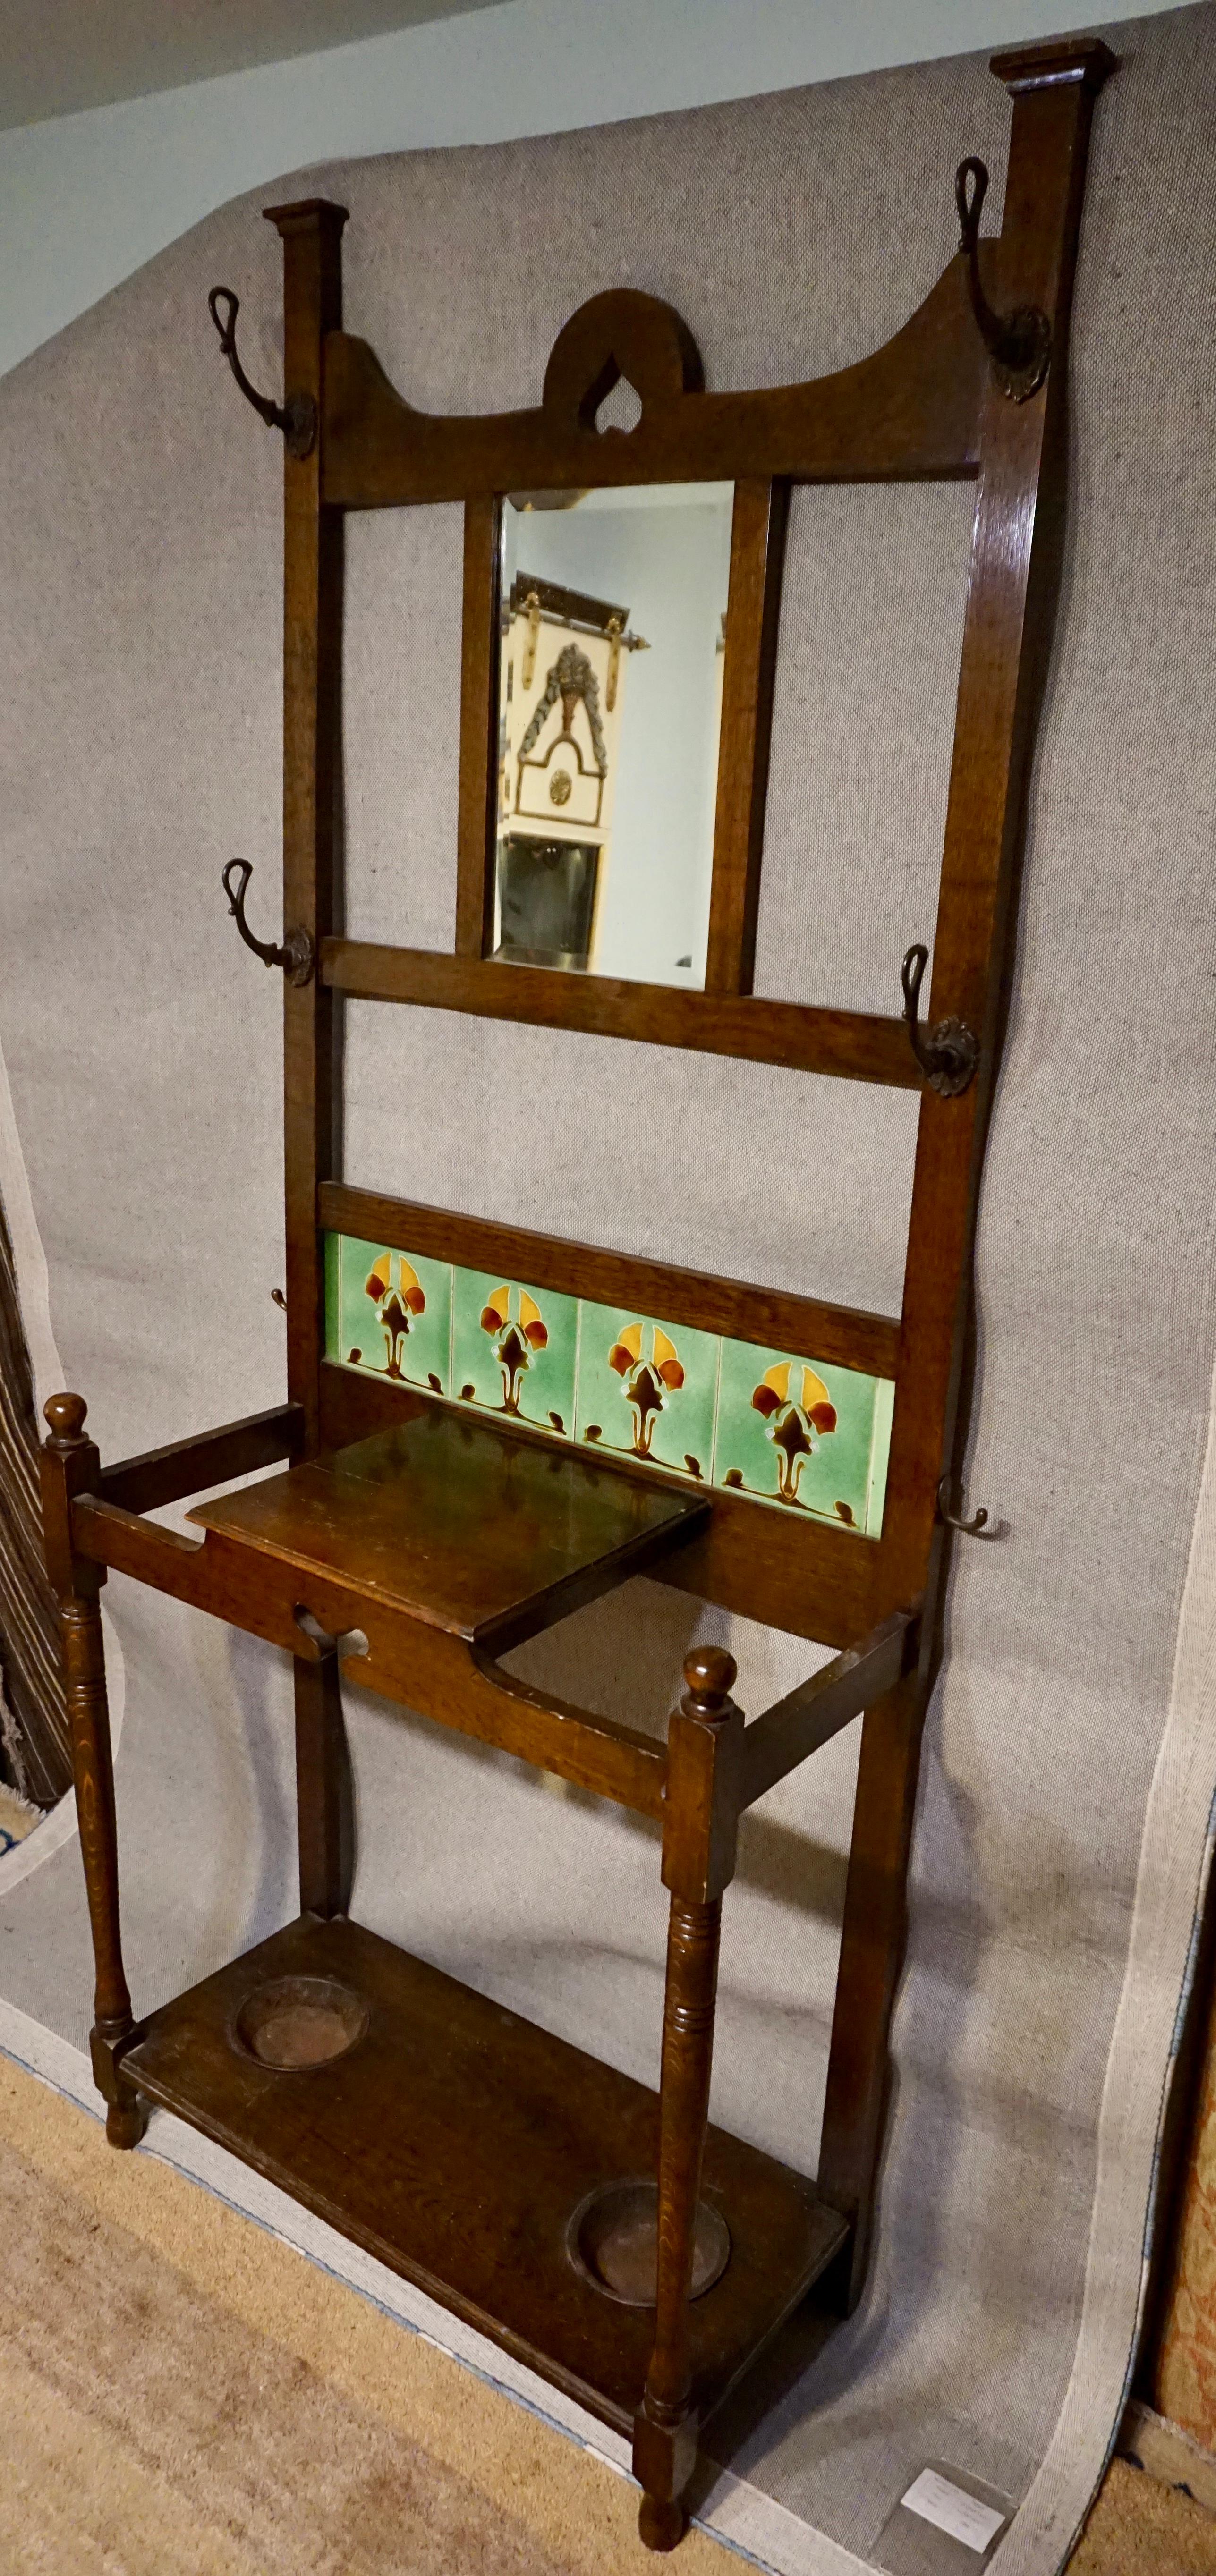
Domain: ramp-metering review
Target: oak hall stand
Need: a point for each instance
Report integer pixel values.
(510, 2175)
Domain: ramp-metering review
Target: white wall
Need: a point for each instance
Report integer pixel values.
(84, 200)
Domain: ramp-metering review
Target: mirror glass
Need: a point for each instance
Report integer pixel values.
(611, 651)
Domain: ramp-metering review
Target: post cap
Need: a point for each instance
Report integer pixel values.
(66, 1415)
(709, 1676)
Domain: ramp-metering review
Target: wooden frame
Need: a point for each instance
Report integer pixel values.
(292, 1560)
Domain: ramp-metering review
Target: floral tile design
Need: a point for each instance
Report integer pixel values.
(799, 1436)
(646, 1389)
(515, 1350)
(391, 1312)
(795, 1435)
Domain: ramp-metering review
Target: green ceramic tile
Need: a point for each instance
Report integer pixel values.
(770, 1443)
(647, 1389)
(333, 1297)
(394, 1314)
(514, 1349)
(884, 1409)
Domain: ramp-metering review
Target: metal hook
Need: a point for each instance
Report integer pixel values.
(976, 1528)
(1018, 343)
(297, 417)
(296, 954)
(947, 1053)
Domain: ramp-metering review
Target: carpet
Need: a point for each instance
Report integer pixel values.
(180, 2391)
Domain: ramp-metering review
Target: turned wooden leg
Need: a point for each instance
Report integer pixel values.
(324, 1801)
(665, 2431)
(68, 1462)
(93, 1771)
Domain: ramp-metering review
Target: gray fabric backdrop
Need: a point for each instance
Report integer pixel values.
(141, 686)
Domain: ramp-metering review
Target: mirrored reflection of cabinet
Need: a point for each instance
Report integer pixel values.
(608, 763)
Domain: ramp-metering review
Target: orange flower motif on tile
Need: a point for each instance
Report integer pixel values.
(516, 1338)
(398, 1296)
(798, 1412)
(646, 1360)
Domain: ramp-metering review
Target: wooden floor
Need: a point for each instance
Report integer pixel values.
(181, 2392)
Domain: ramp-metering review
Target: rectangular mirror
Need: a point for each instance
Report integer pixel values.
(612, 641)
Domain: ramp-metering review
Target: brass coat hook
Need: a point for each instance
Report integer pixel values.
(296, 954)
(297, 417)
(1018, 343)
(975, 1528)
(947, 1053)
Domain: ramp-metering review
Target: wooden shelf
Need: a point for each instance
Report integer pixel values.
(468, 1528)
(455, 2142)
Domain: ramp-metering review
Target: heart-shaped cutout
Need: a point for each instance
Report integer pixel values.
(621, 408)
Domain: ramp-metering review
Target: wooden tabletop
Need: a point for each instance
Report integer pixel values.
(470, 1529)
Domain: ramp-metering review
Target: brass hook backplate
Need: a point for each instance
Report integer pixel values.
(949, 1052)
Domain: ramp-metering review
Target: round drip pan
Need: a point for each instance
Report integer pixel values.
(300, 2021)
(613, 2236)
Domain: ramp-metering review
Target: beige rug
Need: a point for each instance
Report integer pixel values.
(181, 2394)
(17, 1818)
(1140, 2528)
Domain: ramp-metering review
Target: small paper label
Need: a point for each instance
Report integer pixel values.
(935, 2499)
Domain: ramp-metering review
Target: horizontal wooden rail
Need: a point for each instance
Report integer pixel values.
(209, 1458)
(805, 1327)
(908, 412)
(796, 1726)
(853, 1046)
(417, 1667)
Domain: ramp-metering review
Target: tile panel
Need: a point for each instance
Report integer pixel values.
(797, 1435)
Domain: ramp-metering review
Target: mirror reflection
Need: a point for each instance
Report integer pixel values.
(612, 643)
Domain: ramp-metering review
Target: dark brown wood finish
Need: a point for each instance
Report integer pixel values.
(462, 1527)
(312, 637)
(788, 1571)
(209, 1458)
(855, 1046)
(414, 1555)
(470, 2167)
(478, 726)
(1004, 649)
(419, 1667)
(703, 1744)
(71, 1466)
(806, 1327)
(752, 612)
(807, 1717)
(311, 234)
(324, 1789)
(910, 413)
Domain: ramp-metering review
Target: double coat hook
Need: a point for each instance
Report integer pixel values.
(1018, 343)
(297, 416)
(296, 956)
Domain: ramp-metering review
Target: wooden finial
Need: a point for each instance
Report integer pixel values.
(709, 1676)
(66, 1415)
